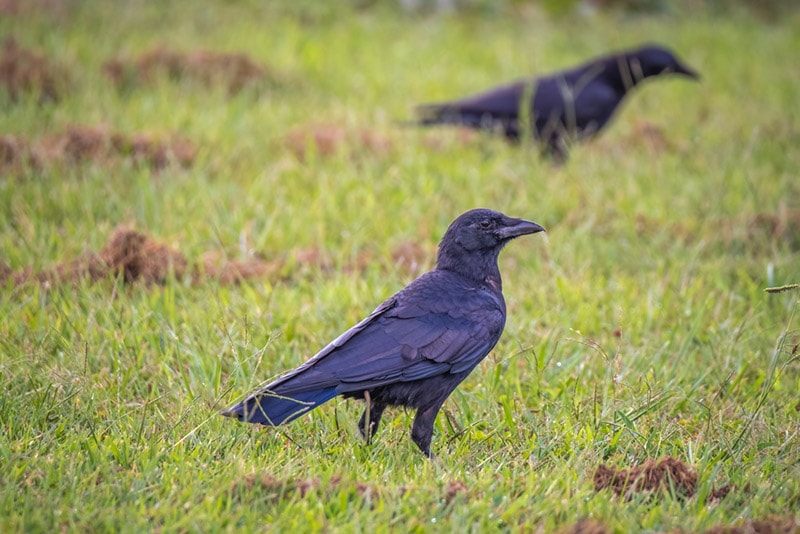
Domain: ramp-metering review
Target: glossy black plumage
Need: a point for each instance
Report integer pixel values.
(417, 346)
(564, 107)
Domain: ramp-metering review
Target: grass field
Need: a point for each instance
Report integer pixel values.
(638, 326)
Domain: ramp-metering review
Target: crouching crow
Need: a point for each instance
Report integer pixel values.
(417, 346)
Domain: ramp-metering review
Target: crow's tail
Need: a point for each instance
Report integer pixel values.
(272, 409)
(449, 114)
(433, 114)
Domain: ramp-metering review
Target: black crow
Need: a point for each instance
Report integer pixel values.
(417, 346)
(564, 107)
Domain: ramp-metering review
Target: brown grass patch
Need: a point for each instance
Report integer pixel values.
(785, 525)
(235, 71)
(650, 478)
(24, 71)
(326, 140)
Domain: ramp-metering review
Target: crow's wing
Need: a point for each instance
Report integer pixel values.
(501, 102)
(579, 100)
(436, 325)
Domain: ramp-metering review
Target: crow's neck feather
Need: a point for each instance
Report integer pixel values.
(477, 266)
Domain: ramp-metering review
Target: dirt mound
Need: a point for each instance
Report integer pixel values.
(5, 271)
(788, 525)
(232, 70)
(648, 136)
(25, 72)
(407, 257)
(410, 257)
(655, 477)
(233, 272)
(138, 257)
(453, 489)
(16, 154)
(135, 257)
(651, 477)
(784, 225)
(98, 144)
(326, 140)
(56, 9)
(586, 526)
(78, 145)
(128, 253)
(274, 488)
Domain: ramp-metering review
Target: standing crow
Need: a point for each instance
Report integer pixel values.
(564, 107)
(417, 346)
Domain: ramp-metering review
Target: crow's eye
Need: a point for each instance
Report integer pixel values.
(486, 223)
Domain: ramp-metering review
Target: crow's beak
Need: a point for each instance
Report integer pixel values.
(686, 71)
(517, 227)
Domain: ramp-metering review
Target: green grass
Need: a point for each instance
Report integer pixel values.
(638, 325)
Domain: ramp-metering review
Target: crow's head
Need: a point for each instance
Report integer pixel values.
(653, 60)
(473, 241)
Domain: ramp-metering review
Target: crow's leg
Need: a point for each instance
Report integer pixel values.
(422, 431)
(374, 410)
